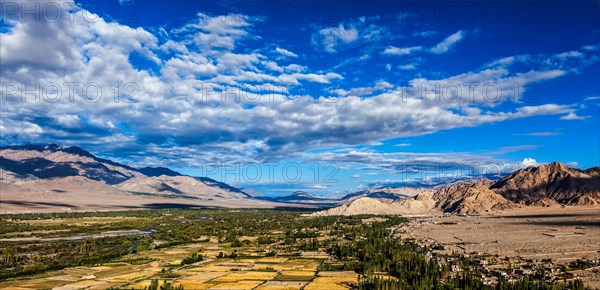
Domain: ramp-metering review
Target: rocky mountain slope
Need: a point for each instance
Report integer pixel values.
(47, 174)
(158, 171)
(470, 198)
(416, 205)
(48, 161)
(61, 177)
(546, 185)
(180, 185)
(549, 184)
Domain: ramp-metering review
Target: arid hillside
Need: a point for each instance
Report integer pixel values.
(546, 185)
(52, 178)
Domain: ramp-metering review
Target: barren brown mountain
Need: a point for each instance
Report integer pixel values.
(58, 178)
(471, 198)
(51, 173)
(415, 205)
(179, 185)
(48, 161)
(550, 183)
(545, 185)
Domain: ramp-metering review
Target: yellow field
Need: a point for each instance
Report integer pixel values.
(330, 283)
(281, 285)
(193, 284)
(275, 267)
(86, 283)
(304, 265)
(272, 259)
(44, 284)
(277, 288)
(132, 276)
(217, 268)
(242, 285)
(175, 262)
(298, 273)
(101, 268)
(245, 261)
(246, 276)
(202, 275)
(315, 255)
(176, 252)
(144, 283)
(344, 274)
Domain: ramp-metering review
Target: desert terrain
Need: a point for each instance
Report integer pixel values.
(560, 234)
(79, 194)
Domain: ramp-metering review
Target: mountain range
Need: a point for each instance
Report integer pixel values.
(58, 178)
(44, 178)
(551, 184)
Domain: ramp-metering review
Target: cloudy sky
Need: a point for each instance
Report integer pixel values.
(325, 97)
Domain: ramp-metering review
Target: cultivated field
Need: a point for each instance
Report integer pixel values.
(269, 249)
(228, 261)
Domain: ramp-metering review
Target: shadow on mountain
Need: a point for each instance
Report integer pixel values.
(557, 219)
(38, 203)
(211, 182)
(570, 223)
(567, 189)
(299, 208)
(541, 216)
(587, 223)
(164, 205)
(44, 168)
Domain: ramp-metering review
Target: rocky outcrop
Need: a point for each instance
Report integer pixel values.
(549, 183)
(417, 205)
(471, 198)
(546, 185)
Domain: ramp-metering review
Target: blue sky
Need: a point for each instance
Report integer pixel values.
(325, 97)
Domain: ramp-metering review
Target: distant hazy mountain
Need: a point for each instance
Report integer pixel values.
(392, 193)
(303, 195)
(302, 198)
(298, 196)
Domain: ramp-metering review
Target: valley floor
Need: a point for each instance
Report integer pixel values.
(57, 201)
(269, 249)
(533, 234)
